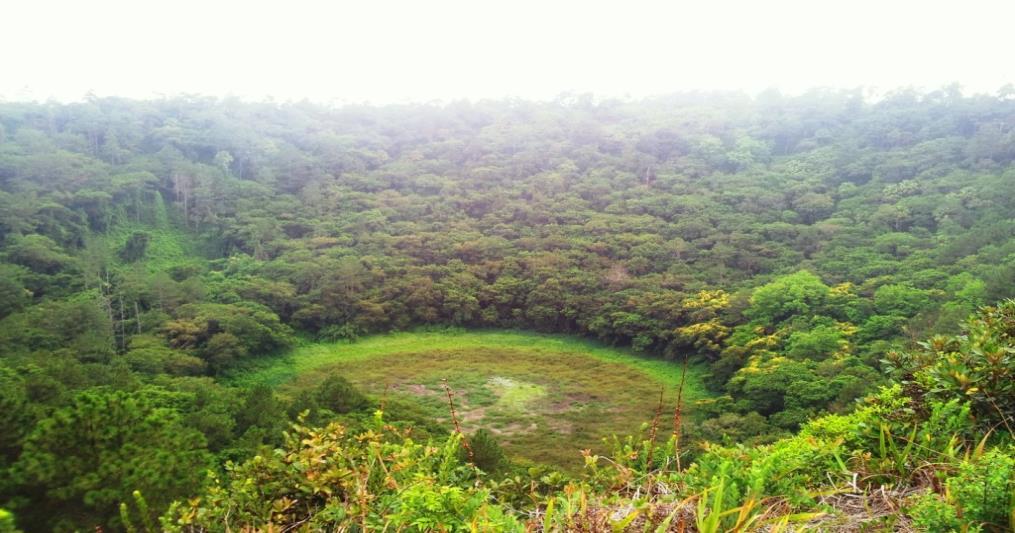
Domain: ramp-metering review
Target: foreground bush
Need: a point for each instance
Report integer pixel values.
(885, 465)
(328, 479)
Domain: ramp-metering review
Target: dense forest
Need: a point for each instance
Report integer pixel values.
(838, 265)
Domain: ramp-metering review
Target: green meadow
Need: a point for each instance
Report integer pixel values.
(545, 397)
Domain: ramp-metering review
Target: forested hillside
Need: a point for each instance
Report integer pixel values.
(797, 249)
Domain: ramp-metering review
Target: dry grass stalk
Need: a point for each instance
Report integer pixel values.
(454, 419)
(678, 412)
(654, 430)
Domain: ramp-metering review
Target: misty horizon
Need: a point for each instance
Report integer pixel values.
(398, 52)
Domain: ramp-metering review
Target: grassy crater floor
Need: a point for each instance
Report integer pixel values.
(546, 397)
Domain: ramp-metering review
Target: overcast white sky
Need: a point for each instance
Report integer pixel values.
(386, 51)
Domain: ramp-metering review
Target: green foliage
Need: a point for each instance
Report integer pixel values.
(7, 521)
(79, 326)
(222, 334)
(881, 326)
(714, 512)
(14, 296)
(335, 332)
(333, 396)
(983, 489)
(736, 427)
(327, 478)
(150, 355)
(337, 395)
(801, 293)
(931, 513)
(791, 391)
(978, 365)
(15, 415)
(818, 343)
(145, 520)
(900, 300)
(38, 253)
(486, 453)
(81, 461)
(135, 247)
(260, 419)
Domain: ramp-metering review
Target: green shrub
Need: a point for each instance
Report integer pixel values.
(487, 454)
(327, 479)
(984, 489)
(818, 343)
(90, 455)
(134, 249)
(339, 396)
(931, 513)
(339, 332)
(789, 468)
(978, 365)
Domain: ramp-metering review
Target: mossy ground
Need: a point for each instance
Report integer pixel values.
(546, 397)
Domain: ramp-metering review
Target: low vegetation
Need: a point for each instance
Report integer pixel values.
(543, 397)
(902, 460)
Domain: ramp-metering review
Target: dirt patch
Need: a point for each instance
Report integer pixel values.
(561, 426)
(582, 397)
(417, 390)
(475, 414)
(514, 428)
(571, 401)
